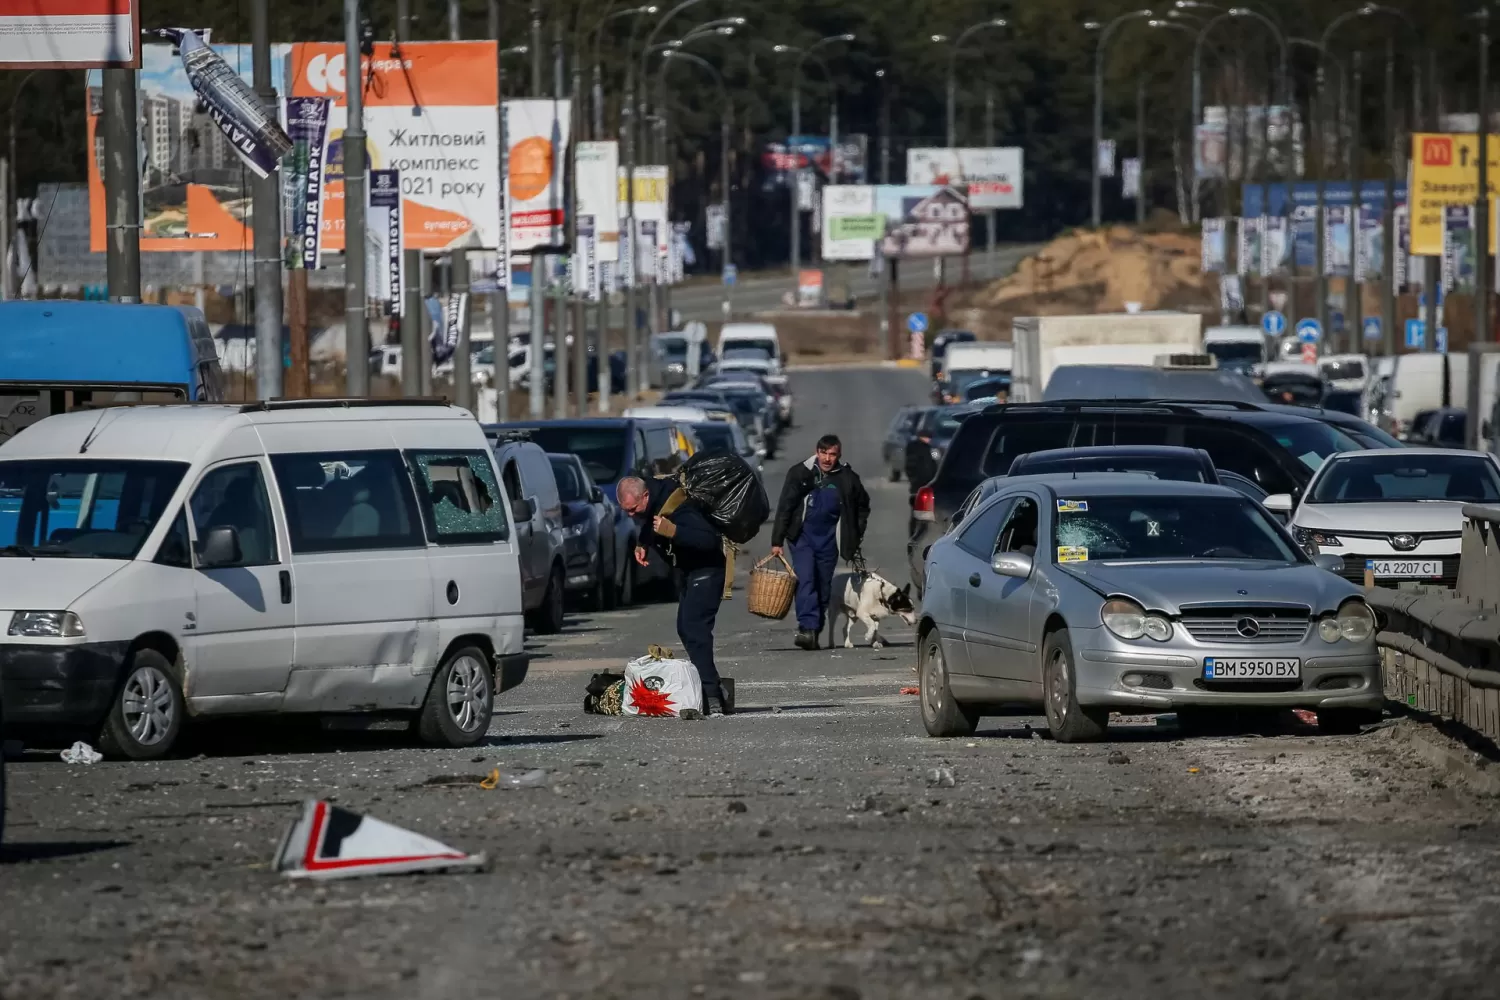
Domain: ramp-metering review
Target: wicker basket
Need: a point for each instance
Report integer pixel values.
(771, 588)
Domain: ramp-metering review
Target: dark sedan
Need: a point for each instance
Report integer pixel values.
(588, 536)
(930, 439)
(893, 449)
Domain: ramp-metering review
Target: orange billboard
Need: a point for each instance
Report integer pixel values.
(431, 113)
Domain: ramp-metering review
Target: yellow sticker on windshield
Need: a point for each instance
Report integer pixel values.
(1072, 553)
(1072, 506)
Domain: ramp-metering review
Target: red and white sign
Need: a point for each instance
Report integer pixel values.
(329, 842)
(69, 34)
(1309, 354)
(993, 174)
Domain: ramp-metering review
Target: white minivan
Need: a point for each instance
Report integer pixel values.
(162, 562)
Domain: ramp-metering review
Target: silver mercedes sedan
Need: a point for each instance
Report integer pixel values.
(1113, 592)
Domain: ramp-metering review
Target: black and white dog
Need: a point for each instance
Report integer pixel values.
(867, 598)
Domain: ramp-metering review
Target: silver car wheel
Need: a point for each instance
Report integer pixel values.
(468, 694)
(1059, 689)
(932, 679)
(147, 705)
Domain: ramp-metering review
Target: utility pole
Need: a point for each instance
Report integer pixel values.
(1482, 217)
(537, 401)
(500, 297)
(796, 227)
(989, 142)
(463, 371)
(122, 186)
(266, 192)
(1353, 300)
(403, 20)
(411, 324)
(1388, 214)
(454, 34)
(356, 324)
(1431, 264)
(1140, 150)
(560, 177)
(580, 333)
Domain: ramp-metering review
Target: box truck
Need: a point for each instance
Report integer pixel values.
(1042, 343)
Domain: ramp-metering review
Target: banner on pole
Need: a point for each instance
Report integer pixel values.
(383, 243)
(1211, 145)
(993, 176)
(454, 313)
(1337, 233)
(650, 206)
(1458, 248)
(1248, 250)
(1130, 177)
(1369, 253)
(250, 128)
(302, 180)
(585, 252)
(647, 257)
(1275, 244)
(596, 169)
(1105, 157)
(1215, 252)
(713, 224)
(502, 256)
(536, 136)
(1401, 264)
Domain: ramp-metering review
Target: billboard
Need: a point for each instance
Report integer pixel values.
(194, 189)
(1444, 173)
(922, 220)
(431, 116)
(69, 34)
(536, 135)
(993, 175)
(596, 168)
(781, 160)
(850, 224)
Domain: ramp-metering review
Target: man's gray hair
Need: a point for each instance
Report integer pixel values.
(630, 486)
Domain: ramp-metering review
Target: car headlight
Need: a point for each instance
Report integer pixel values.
(46, 625)
(1309, 536)
(575, 530)
(1129, 620)
(1328, 629)
(1356, 621)
(937, 454)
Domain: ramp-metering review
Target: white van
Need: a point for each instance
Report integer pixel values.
(750, 345)
(165, 562)
(1417, 384)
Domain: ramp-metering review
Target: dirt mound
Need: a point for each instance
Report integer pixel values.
(1093, 271)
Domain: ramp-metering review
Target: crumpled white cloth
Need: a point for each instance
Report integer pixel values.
(81, 753)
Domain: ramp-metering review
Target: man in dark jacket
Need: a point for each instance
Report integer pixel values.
(688, 540)
(822, 514)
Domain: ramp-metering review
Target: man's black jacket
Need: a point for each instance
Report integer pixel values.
(695, 545)
(854, 505)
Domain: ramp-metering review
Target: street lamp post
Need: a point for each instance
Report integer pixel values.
(598, 77)
(803, 54)
(1104, 34)
(724, 127)
(1322, 128)
(953, 50)
(9, 227)
(1482, 216)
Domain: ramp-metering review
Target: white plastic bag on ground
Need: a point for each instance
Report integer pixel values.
(664, 688)
(81, 753)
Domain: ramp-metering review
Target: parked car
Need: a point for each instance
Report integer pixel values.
(753, 408)
(713, 403)
(538, 513)
(1293, 383)
(940, 344)
(893, 448)
(1276, 451)
(668, 366)
(589, 546)
(1107, 592)
(1396, 513)
(993, 388)
(1444, 428)
(930, 438)
(717, 435)
(306, 556)
(612, 448)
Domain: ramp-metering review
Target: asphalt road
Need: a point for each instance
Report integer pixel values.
(798, 849)
(764, 292)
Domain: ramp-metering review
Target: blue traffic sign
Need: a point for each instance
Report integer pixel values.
(731, 274)
(917, 322)
(1273, 323)
(1309, 331)
(1416, 334)
(1372, 328)
(1336, 321)
(1442, 340)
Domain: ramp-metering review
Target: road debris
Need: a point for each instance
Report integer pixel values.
(331, 842)
(81, 753)
(911, 690)
(941, 777)
(1119, 757)
(534, 778)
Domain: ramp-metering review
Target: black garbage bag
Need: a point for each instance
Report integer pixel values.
(730, 493)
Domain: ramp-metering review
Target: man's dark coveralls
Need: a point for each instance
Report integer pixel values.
(696, 553)
(823, 516)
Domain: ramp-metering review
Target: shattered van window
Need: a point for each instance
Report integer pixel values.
(465, 502)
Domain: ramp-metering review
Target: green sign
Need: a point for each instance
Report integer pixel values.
(856, 227)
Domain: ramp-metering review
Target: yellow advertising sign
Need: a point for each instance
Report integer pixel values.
(1445, 171)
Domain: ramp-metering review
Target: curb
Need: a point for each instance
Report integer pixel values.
(1425, 737)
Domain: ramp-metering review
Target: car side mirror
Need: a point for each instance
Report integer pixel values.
(219, 547)
(1016, 565)
(596, 495)
(523, 509)
(1278, 503)
(1326, 560)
